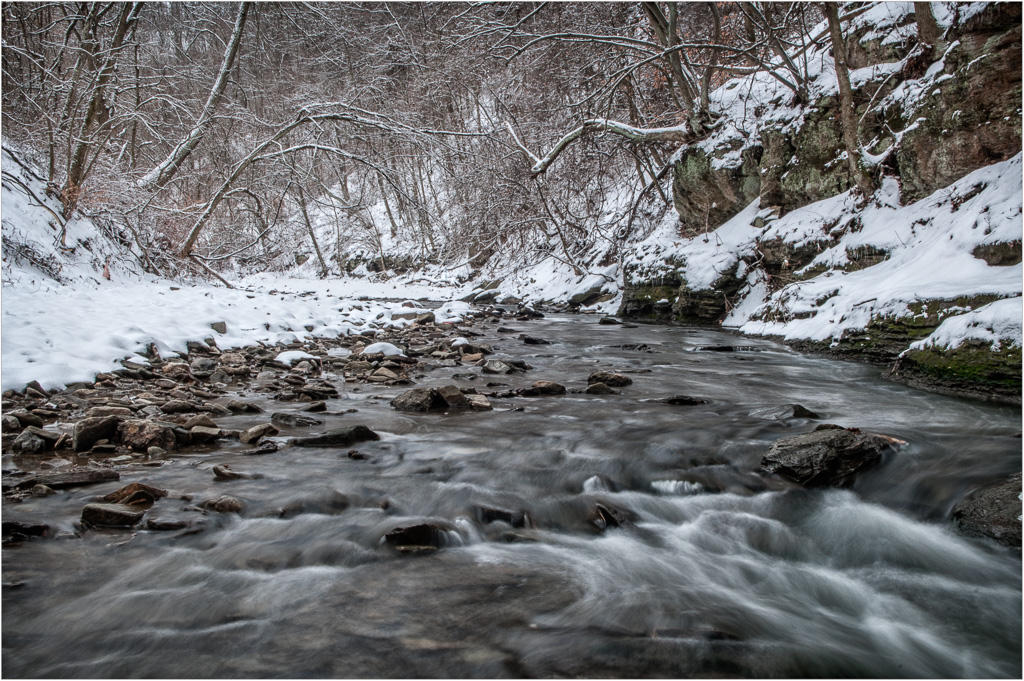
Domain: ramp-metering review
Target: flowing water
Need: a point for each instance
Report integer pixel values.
(722, 572)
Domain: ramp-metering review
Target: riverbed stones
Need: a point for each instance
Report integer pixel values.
(90, 430)
(783, 412)
(75, 478)
(294, 420)
(34, 440)
(826, 458)
(140, 435)
(26, 418)
(199, 420)
(993, 511)
(479, 402)
(497, 366)
(177, 407)
(203, 434)
(240, 407)
(10, 424)
(340, 437)
(111, 515)
(106, 410)
(610, 379)
(685, 401)
(135, 494)
(599, 389)
(416, 539)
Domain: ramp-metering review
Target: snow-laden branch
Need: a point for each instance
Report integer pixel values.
(165, 170)
(679, 133)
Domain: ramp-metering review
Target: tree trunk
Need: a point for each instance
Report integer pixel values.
(858, 175)
(312, 235)
(928, 32)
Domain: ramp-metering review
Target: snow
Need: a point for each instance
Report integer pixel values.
(293, 356)
(386, 349)
(994, 323)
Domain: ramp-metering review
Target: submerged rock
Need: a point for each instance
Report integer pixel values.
(826, 458)
(993, 511)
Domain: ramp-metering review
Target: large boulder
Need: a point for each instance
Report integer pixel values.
(993, 511)
(826, 458)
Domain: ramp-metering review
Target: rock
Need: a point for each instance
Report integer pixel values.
(240, 407)
(265, 447)
(178, 407)
(203, 367)
(531, 340)
(549, 388)
(452, 396)
(167, 524)
(426, 318)
(341, 437)
(201, 434)
(479, 402)
(285, 419)
(140, 435)
(224, 504)
(199, 420)
(225, 473)
(603, 516)
(610, 379)
(177, 371)
(488, 515)
(786, 411)
(11, 424)
(219, 327)
(319, 405)
(497, 366)
(19, 530)
(608, 321)
(233, 359)
(419, 399)
(599, 389)
(422, 538)
(258, 431)
(685, 400)
(826, 458)
(156, 451)
(26, 418)
(109, 411)
(386, 374)
(42, 491)
(29, 443)
(993, 511)
(111, 515)
(135, 494)
(90, 430)
(76, 478)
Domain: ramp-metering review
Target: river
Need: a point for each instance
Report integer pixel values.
(721, 573)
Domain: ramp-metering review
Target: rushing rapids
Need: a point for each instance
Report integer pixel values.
(612, 535)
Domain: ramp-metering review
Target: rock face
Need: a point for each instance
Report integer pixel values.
(826, 458)
(993, 511)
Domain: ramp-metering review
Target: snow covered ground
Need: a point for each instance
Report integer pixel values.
(63, 321)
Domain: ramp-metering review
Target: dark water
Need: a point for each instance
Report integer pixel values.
(723, 574)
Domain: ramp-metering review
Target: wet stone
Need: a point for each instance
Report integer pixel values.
(826, 458)
(295, 420)
(240, 407)
(783, 412)
(18, 530)
(258, 431)
(993, 511)
(599, 389)
(610, 379)
(684, 401)
(317, 406)
(419, 399)
(111, 515)
(10, 424)
(109, 411)
(90, 430)
(549, 388)
(178, 407)
(140, 435)
(224, 504)
(199, 420)
(341, 437)
(416, 539)
(452, 396)
(132, 490)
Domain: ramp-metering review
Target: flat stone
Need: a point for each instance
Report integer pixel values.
(240, 407)
(75, 478)
(178, 407)
(25, 418)
(826, 458)
(111, 515)
(199, 420)
(296, 420)
(341, 437)
(201, 434)
(109, 411)
(496, 366)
